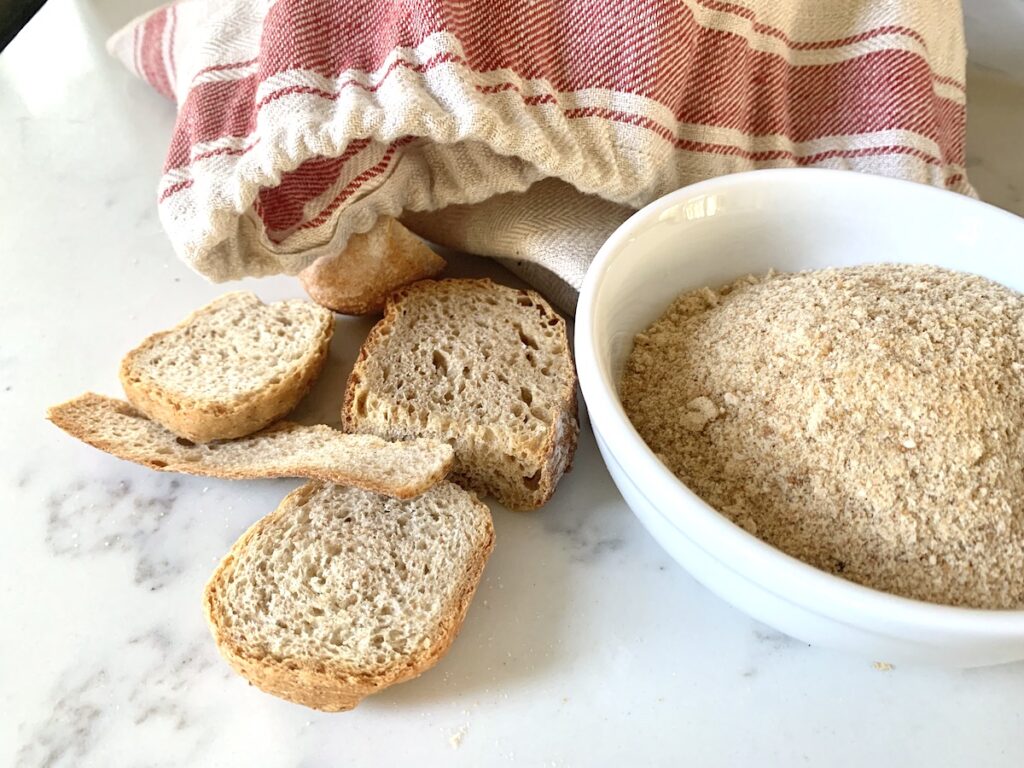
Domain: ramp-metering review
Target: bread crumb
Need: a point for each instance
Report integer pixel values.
(867, 420)
(883, 666)
(699, 411)
(456, 738)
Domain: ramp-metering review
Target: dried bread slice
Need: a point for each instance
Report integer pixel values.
(358, 280)
(339, 593)
(402, 470)
(230, 368)
(482, 366)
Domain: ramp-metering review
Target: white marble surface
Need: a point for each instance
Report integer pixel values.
(585, 645)
(994, 29)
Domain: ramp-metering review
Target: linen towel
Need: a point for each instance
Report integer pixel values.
(523, 129)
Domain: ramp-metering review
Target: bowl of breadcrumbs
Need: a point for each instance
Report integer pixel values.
(809, 387)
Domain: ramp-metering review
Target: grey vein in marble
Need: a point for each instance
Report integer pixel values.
(140, 690)
(70, 733)
(591, 528)
(90, 516)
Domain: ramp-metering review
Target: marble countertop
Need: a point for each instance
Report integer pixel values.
(586, 644)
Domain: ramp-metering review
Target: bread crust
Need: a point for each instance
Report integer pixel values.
(330, 686)
(201, 420)
(559, 447)
(75, 415)
(358, 280)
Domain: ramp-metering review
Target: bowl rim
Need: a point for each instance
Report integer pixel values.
(720, 538)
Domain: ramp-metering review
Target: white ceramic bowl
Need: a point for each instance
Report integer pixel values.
(709, 234)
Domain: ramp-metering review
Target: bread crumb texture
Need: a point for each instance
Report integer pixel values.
(341, 592)
(234, 347)
(482, 366)
(230, 368)
(867, 420)
(403, 469)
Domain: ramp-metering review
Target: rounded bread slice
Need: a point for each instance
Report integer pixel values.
(339, 592)
(230, 368)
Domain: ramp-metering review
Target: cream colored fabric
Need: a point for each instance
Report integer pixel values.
(547, 235)
(450, 132)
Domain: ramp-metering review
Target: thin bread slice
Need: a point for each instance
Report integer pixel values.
(481, 366)
(358, 280)
(339, 593)
(230, 368)
(403, 470)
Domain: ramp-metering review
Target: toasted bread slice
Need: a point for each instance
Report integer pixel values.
(402, 469)
(484, 367)
(339, 593)
(358, 280)
(230, 368)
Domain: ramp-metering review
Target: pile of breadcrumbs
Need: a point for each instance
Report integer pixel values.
(868, 420)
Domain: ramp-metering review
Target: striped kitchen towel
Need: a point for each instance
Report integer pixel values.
(536, 125)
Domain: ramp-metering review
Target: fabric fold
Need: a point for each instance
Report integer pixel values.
(301, 122)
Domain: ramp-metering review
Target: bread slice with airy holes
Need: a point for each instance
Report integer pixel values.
(484, 367)
(230, 368)
(403, 469)
(358, 280)
(339, 593)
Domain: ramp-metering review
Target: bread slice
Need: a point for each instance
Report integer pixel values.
(357, 281)
(484, 367)
(339, 593)
(402, 469)
(230, 368)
